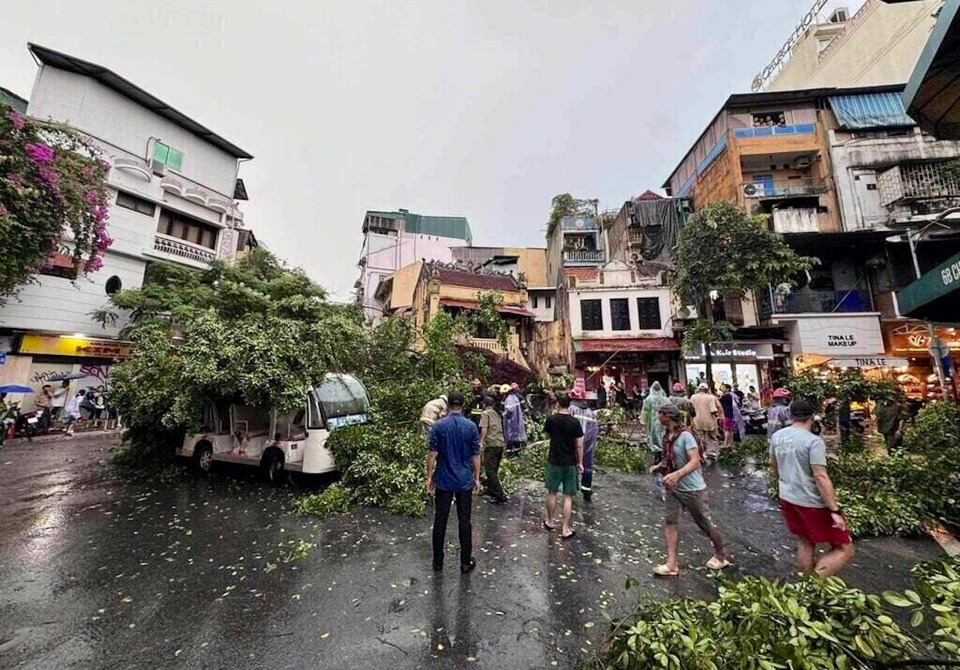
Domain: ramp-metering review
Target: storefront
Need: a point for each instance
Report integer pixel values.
(819, 339)
(740, 364)
(911, 341)
(36, 359)
(637, 362)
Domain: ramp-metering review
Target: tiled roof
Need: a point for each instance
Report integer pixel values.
(487, 282)
(587, 274)
(648, 195)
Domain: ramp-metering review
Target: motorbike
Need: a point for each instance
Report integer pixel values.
(27, 425)
(756, 421)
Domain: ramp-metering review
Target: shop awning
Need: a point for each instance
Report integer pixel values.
(616, 345)
(932, 96)
(935, 296)
(472, 304)
(870, 110)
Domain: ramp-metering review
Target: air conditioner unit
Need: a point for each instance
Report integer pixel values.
(802, 162)
(752, 190)
(158, 168)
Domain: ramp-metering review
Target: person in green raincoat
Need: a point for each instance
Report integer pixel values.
(648, 415)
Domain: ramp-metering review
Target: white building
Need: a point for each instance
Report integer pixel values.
(392, 240)
(879, 44)
(174, 189)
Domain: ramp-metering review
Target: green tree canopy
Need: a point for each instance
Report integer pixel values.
(722, 249)
(255, 332)
(565, 205)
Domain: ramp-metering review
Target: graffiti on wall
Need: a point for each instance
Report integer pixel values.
(99, 372)
(43, 376)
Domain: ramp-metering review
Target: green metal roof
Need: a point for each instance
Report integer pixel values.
(11, 99)
(441, 226)
(456, 227)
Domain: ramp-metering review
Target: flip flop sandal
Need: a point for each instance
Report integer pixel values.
(567, 537)
(664, 571)
(547, 526)
(714, 564)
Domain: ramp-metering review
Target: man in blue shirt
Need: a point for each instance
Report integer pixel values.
(453, 473)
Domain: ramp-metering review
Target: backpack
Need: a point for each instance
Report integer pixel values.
(668, 455)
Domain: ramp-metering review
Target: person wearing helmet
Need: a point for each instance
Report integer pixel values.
(778, 415)
(514, 429)
(679, 399)
(591, 430)
(432, 412)
(476, 403)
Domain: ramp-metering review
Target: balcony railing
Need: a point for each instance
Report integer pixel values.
(770, 131)
(809, 301)
(786, 188)
(512, 351)
(172, 246)
(586, 257)
(916, 181)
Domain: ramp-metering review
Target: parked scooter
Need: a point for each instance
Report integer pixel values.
(27, 425)
(756, 421)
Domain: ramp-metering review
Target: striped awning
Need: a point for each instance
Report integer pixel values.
(870, 110)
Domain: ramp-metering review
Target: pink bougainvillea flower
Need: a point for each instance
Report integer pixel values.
(15, 119)
(49, 175)
(94, 264)
(38, 152)
(104, 241)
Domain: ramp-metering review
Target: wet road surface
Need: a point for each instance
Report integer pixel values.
(214, 573)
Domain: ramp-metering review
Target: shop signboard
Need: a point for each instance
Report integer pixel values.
(915, 341)
(734, 351)
(940, 281)
(846, 335)
(75, 346)
(870, 362)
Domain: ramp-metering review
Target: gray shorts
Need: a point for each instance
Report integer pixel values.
(694, 502)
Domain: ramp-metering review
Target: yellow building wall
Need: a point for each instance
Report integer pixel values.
(720, 182)
(404, 284)
(881, 44)
(533, 264)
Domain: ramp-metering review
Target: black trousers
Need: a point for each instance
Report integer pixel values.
(491, 467)
(444, 500)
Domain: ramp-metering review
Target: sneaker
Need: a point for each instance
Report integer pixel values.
(468, 567)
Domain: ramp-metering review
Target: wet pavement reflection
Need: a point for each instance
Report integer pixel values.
(212, 573)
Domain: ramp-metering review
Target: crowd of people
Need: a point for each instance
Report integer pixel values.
(464, 454)
(61, 407)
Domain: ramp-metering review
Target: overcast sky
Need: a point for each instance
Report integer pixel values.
(477, 108)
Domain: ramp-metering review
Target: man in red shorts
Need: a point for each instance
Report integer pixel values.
(799, 462)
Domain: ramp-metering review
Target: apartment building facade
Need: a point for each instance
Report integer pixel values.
(878, 44)
(174, 188)
(393, 240)
(847, 177)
